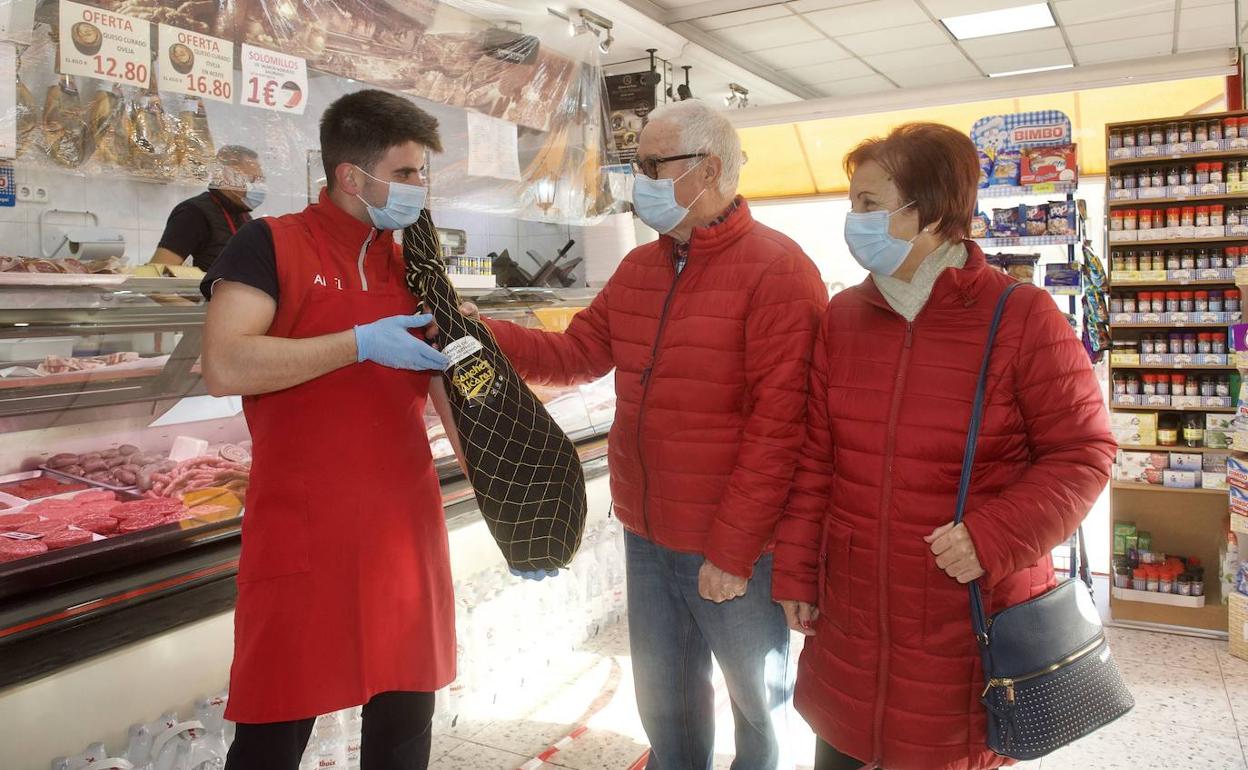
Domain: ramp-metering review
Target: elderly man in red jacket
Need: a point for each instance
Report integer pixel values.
(709, 330)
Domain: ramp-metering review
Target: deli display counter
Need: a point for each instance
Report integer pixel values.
(122, 482)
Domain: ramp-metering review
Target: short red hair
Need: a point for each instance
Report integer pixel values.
(933, 165)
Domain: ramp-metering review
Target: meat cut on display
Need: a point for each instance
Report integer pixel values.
(524, 470)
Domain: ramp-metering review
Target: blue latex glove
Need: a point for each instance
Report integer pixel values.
(389, 343)
(536, 574)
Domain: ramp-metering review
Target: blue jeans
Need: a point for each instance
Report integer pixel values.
(673, 633)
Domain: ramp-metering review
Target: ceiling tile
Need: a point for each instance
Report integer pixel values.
(806, 6)
(936, 73)
(1024, 61)
(1018, 42)
(1107, 31)
(894, 39)
(868, 17)
(769, 34)
(669, 4)
(943, 9)
(1088, 11)
(816, 52)
(1207, 16)
(742, 17)
(864, 85)
(826, 73)
(1120, 50)
(916, 57)
(1201, 38)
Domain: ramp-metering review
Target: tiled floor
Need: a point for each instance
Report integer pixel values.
(1191, 714)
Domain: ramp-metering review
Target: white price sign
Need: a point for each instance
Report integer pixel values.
(195, 64)
(274, 81)
(100, 44)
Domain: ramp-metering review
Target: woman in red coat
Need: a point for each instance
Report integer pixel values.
(867, 562)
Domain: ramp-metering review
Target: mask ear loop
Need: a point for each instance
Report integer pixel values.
(375, 179)
(682, 176)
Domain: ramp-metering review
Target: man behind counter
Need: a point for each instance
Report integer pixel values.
(199, 227)
(344, 582)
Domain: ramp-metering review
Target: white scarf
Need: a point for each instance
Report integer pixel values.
(909, 297)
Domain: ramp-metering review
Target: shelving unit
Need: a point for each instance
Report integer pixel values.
(1190, 522)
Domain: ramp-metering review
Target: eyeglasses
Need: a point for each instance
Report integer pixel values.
(650, 166)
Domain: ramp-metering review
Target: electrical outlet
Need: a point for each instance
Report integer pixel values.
(32, 194)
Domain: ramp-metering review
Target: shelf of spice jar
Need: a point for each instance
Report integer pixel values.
(1156, 597)
(1159, 265)
(1175, 350)
(1168, 402)
(1169, 236)
(1137, 402)
(1171, 278)
(1186, 306)
(1020, 191)
(1180, 138)
(1178, 320)
(1119, 198)
(1139, 363)
(1212, 179)
(1125, 156)
(1032, 240)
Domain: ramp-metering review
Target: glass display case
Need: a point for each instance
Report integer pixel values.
(122, 482)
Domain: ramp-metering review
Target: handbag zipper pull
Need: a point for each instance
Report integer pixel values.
(1008, 684)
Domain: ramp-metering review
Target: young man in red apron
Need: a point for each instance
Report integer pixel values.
(344, 584)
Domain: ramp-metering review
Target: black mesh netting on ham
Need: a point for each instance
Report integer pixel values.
(523, 468)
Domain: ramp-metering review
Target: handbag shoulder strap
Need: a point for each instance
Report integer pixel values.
(968, 456)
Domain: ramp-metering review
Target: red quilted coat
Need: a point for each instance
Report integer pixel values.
(892, 674)
(711, 370)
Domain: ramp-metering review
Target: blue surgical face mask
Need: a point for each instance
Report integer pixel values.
(654, 200)
(403, 204)
(872, 245)
(255, 195)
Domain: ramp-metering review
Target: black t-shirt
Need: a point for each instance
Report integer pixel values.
(249, 258)
(198, 227)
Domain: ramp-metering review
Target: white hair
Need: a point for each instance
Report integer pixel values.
(703, 129)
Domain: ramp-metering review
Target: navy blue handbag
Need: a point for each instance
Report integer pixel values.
(1050, 679)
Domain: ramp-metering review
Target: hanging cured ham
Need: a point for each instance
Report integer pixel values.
(524, 470)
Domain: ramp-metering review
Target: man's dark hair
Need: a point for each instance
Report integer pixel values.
(233, 153)
(358, 128)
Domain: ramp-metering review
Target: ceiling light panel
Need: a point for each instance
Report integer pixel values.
(1001, 22)
(1017, 43)
(1029, 71)
(1054, 58)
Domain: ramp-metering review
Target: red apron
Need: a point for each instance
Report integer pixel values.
(344, 584)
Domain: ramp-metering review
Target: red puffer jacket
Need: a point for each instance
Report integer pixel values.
(711, 371)
(892, 673)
